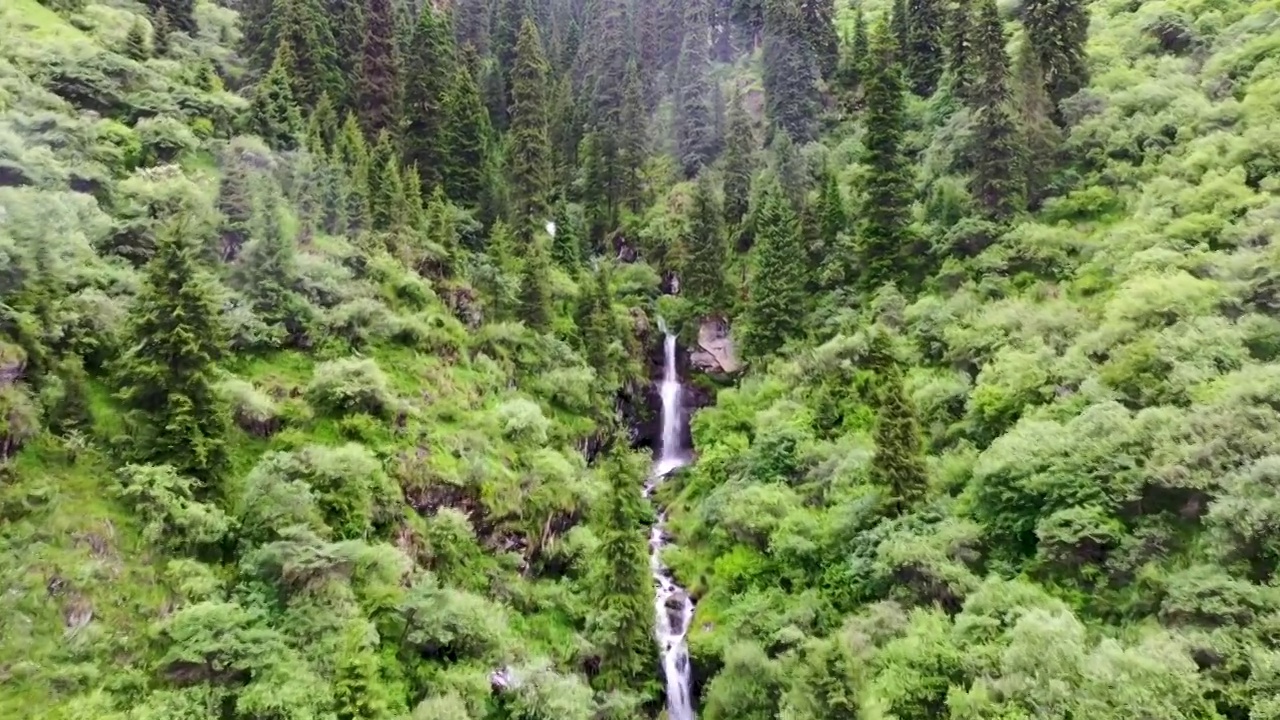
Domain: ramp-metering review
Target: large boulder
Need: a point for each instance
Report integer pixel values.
(715, 353)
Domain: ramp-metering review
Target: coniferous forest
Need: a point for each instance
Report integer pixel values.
(329, 332)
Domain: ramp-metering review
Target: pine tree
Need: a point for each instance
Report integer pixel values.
(702, 277)
(352, 157)
(695, 131)
(442, 233)
(599, 327)
(832, 252)
(567, 249)
(379, 87)
(621, 587)
(466, 137)
(267, 273)
(135, 43)
(884, 232)
(508, 23)
(161, 26)
(386, 190)
(853, 59)
(819, 18)
(790, 71)
(430, 74)
(273, 114)
(1040, 135)
(535, 290)
(322, 128)
(315, 68)
(235, 205)
(1058, 30)
(997, 183)
(530, 143)
(900, 27)
(776, 299)
(634, 146)
(346, 17)
(167, 375)
(739, 165)
(961, 48)
(791, 169)
(923, 51)
(898, 463)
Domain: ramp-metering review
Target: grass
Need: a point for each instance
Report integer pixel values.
(27, 23)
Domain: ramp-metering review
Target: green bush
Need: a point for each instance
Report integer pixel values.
(351, 385)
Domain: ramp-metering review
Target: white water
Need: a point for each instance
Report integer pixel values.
(671, 603)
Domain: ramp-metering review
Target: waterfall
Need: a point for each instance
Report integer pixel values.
(672, 605)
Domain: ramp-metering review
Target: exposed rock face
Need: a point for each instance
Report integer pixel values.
(715, 353)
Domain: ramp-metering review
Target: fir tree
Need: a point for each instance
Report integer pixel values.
(472, 25)
(530, 144)
(181, 14)
(167, 375)
(466, 137)
(853, 59)
(567, 248)
(235, 205)
(884, 232)
(315, 69)
(739, 154)
(1040, 136)
(702, 277)
(695, 131)
(161, 26)
(386, 190)
(790, 71)
(1058, 30)
(267, 273)
(442, 234)
(508, 23)
(923, 51)
(898, 463)
(621, 588)
(819, 17)
(273, 114)
(430, 74)
(535, 290)
(599, 327)
(791, 169)
(322, 127)
(961, 48)
(634, 141)
(352, 158)
(830, 251)
(346, 18)
(997, 183)
(71, 411)
(135, 43)
(776, 298)
(899, 26)
(379, 85)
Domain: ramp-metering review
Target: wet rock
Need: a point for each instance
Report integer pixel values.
(715, 353)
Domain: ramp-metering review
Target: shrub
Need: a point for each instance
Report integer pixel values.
(164, 499)
(361, 321)
(350, 385)
(19, 419)
(164, 139)
(253, 410)
(522, 419)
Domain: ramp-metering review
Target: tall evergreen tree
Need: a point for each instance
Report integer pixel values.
(322, 126)
(386, 189)
(900, 25)
(430, 73)
(790, 71)
(621, 588)
(161, 27)
(997, 183)
(885, 216)
(739, 156)
(702, 277)
(466, 137)
(273, 114)
(1040, 136)
(352, 158)
(235, 205)
(923, 52)
(315, 70)
(379, 88)
(267, 273)
(530, 144)
(136, 44)
(853, 58)
(792, 170)
(535, 281)
(599, 327)
(776, 298)
(347, 20)
(961, 48)
(695, 130)
(898, 463)
(167, 375)
(819, 18)
(1058, 30)
(472, 25)
(508, 21)
(180, 13)
(832, 252)
(633, 141)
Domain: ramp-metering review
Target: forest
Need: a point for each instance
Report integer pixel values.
(329, 332)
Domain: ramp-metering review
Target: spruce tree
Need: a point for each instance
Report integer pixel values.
(790, 71)
(379, 87)
(885, 216)
(819, 17)
(961, 49)
(739, 162)
(1041, 137)
(135, 43)
(273, 114)
(853, 59)
(442, 234)
(535, 281)
(702, 277)
(567, 247)
(530, 143)
(386, 190)
(346, 17)
(466, 137)
(899, 26)
(315, 69)
(923, 52)
(472, 25)
(695, 130)
(161, 26)
(622, 594)
(599, 327)
(430, 75)
(998, 184)
(173, 413)
(633, 148)
(267, 273)
(1058, 30)
(791, 169)
(508, 23)
(236, 207)
(352, 157)
(181, 14)
(776, 298)
(898, 463)
(72, 410)
(322, 127)
(831, 250)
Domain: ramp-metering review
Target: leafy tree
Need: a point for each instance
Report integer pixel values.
(885, 236)
(702, 277)
(923, 50)
(530, 144)
(823, 687)
(739, 152)
(998, 183)
(1057, 31)
(776, 299)
(273, 114)
(430, 74)
(695, 131)
(379, 86)
(167, 375)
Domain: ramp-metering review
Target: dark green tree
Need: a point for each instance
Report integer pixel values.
(622, 595)
(136, 45)
(900, 25)
(923, 52)
(322, 126)
(791, 168)
(529, 142)
(161, 27)
(702, 276)
(180, 13)
(466, 136)
(535, 285)
(267, 273)
(790, 71)
(351, 156)
(739, 162)
(823, 686)
(236, 207)
(830, 249)
(430, 75)
(776, 298)
(885, 216)
(694, 125)
(315, 68)
(961, 48)
(273, 114)
(898, 463)
(386, 188)
(71, 410)
(998, 184)
(853, 59)
(633, 148)
(819, 17)
(346, 18)
(1041, 137)
(1058, 30)
(599, 327)
(472, 25)
(173, 413)
(379, 86)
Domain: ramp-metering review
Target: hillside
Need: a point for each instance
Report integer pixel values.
(330, 335)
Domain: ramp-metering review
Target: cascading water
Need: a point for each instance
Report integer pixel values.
(671, 603)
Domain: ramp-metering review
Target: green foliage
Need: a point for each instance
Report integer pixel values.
(350, 386)
(704, 266)
(379, 86)
(776, 291)
(274, 116)
(530, 149)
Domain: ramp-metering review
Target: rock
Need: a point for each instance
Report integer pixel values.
(715, 353)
